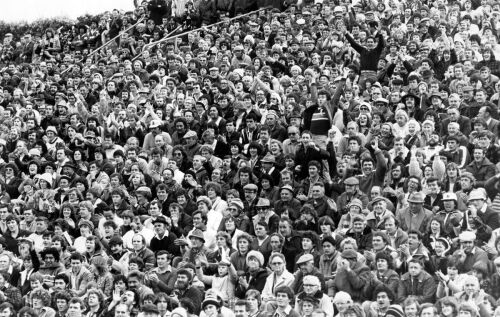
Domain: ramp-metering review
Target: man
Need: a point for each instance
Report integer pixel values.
(276, 130)
(119, 256)
(162, 278)
(251, 199)
(266, 214)
(41, 224)
(360, 232)
(467, 181)
(76, 307)
(121, 310)
(418, 283)
(480, 216)
(137, 227)
(352, 191)
(485, 113)
(51, 265)
(200, 227)
(369, 56)
(323, 205)
(481, 167)
(240, 309)
(376, 218)
(312, 287)
(164, 239)
(449, 216)
(184, 289)
(415, 216)
(287, 202)
(352, 275)
(372, 175)
(384, 297)
(433, 199)
(135, 283)
(155, 130)
(141, 251)
(291, 144)
(292, 244)
(79, 275)
(306, 267)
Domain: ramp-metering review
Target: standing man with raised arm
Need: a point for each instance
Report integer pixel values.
(369, 55)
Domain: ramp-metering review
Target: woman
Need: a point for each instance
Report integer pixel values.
(280, 277)
(428, 129)
(82, 166)
(230, 228)
(276, 148)
(434, 232)
(10, 180)
(224, 246)
(67, 213)
(254, 154)
(214, 192)
(472, 292)
(7, 310)
(447, 307)
(400, 128)
(309, 246)
(102, 276)
(307, 305)
(342, 301)
(269, 190)
(413, 137)
(385, 271)
(364, 122)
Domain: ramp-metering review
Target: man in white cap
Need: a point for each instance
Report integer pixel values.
(469, 254)
(479, 215)
(449, 216)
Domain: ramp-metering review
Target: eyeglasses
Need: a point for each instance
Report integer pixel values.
(177, 154)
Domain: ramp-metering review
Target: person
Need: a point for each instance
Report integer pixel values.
(186, 290)
(417, 282)
(9, 293)
(130, 154)
(312, 288)
(351, 275)
(279, 277)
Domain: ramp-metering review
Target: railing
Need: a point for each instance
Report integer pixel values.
(107, 43)
(171, 37)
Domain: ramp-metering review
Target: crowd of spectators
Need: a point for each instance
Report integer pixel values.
(273, 159)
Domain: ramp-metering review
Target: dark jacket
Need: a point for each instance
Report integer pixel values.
(166, 243)
(482, 172)
(424, 288)
(255, 281)
(353, 281)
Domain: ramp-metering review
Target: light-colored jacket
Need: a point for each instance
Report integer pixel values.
(273, 281)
